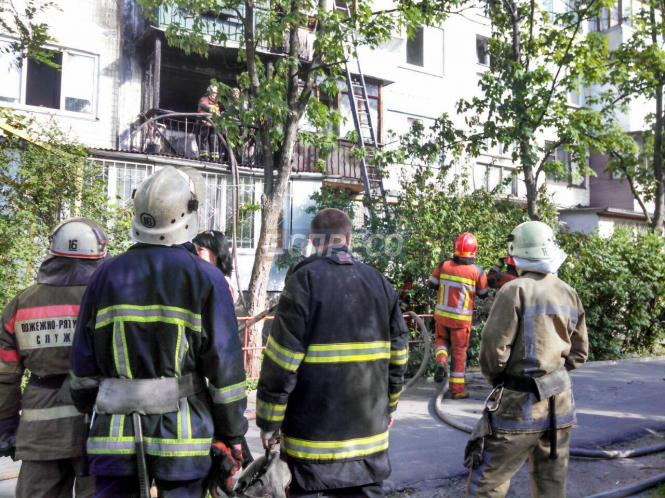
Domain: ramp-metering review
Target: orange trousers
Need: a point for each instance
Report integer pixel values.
(453, 341)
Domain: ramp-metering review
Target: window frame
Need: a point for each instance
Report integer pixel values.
(485, 40)
(66, 53)
(605, 22)
(568, 182)
(406, 51)
(486, 177)
(344, 94)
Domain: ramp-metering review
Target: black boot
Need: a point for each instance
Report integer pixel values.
(440, 373)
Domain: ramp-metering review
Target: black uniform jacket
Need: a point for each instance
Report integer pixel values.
(333, 370)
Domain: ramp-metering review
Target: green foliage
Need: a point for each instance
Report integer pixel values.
(620, 282)
(31, 36)
(41, 183)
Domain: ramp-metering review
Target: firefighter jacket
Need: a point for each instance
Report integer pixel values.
(207, 105)
(497, 278)
(459, 281)
(333, 371)
(536, 327)
(151, 312)
(36, 334)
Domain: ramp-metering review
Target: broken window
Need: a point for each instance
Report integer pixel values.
(71, 86)
(43, 83)
(415, 48)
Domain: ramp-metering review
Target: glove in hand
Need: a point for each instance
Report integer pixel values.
(226, 461)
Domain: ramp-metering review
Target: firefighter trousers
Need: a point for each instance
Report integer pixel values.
(504, 455)
(128, 487)
(53, 479)
(374, 490)
(453, 342)
(208, 143)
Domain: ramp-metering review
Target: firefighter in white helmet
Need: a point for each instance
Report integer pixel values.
(36, 334)
(157, 321)
(534, 335)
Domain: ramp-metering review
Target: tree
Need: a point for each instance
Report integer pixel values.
(637, 74)
(41, 180)
(539, 63)
(30, 35)
(281, 90)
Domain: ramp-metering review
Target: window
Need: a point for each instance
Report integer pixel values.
(79, 92)
(72, 87)
(415, 48)
(374, 101)
(10, 75)
(482, 50)
(609, 17)
(490, 177)
(215, 214)
(572, 174)
(44, 83)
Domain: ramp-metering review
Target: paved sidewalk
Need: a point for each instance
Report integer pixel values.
(616, 401)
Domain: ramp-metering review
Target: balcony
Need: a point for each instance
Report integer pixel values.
(177, 135)
(228, 30)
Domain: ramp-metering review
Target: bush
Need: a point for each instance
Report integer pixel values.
(620, 282)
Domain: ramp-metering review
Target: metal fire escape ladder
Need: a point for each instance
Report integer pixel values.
(362, 118)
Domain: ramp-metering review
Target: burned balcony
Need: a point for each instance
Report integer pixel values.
(178, 135)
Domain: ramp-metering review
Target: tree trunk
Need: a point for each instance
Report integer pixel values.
(267, 243)
(659, 201)
(659, 212)
(531, 193)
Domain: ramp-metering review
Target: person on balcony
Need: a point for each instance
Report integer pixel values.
(208, 143)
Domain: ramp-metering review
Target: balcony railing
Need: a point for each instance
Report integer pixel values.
(178, 135)
(227, 27)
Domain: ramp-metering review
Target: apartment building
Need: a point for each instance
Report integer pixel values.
(125, 93)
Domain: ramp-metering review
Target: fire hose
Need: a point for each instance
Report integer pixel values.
(426, 343)
(582, 453)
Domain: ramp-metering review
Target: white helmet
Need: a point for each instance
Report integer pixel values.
(532, 240)
(79, 238)
(165, 207)
(211, 89)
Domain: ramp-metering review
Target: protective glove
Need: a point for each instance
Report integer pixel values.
(9, 452)
(473, 453)
(226, 461)
(269, 439)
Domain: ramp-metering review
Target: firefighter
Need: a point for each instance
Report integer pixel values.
(458, 282)
(36, 334)
(534, 335)
(497, 278)
(333, 369)
(155, 323)
(208, 143)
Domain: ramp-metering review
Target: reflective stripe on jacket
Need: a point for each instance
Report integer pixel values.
(161, 311)
(458, 286)
(536, 327)
(333, 371)
(36, 334)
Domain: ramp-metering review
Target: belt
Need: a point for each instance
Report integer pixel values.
(519, 384)
(146, 396)
(52, 382)
(528, 385)
(191, 384)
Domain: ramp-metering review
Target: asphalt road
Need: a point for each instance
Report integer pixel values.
(616, 402)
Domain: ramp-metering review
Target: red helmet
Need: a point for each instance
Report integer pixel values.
(466, 245)
(510, 260)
